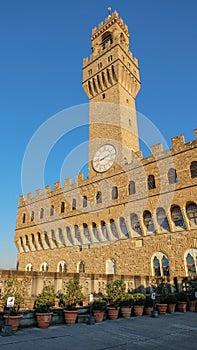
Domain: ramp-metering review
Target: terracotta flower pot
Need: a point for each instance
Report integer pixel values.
(70, 316)
(125, 311)
(192, 305)
(182, 306)
(171, 308)
(162, 308)
(112, 313)
(138, 310)
(98, 315)
(43, 319)
(13, 321)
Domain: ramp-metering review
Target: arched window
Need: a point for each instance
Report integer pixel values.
(132, 187)
(151, 182)
(32, 216)
(27, 242)
(47, 239)
(53, 237)
(39, 240)
(74, 204)
(62, 207)
(85, 201)
(86, 233)
(190, 260)
(135, 224)
(52, 210)
(29, 267)
(24, 218)
(21, 244)
(191, 210)
(110, 267)
(99, 197)
(104, 230)
(95, 231)
(44, 267)
(33, 241)
(113, 228)
(114, 192)
(81, 267)
(41, 213)
(62, 267)
(162, 219)
(106, 37)
(77, 234)
(148, 221)
(123, 226)
(172, 176)
(156, 265)
(160, 264)
(177, 217)
(193, 169)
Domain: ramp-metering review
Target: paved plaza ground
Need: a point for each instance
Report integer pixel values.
(169, 332)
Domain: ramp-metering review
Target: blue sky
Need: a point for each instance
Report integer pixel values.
(43, 43)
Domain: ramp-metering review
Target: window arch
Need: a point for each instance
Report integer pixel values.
(148, 221)
(33, 241)
(62, 207)
(106, 37)
(111, 267)
(41, 213)
(193, 169)
(104, 230)
(123, 226)
(177, 217)
(32, 215)
(132, 189)
(86, 232)
(191, 210)
(74, 204)
(24, 218)
(85, 201)
(81, 267)
(53, 237)
(113, 228)
(52, 210)
(172, 176)
(99, 197)
(135, 224)
(190, 258)
(114, 192)
(44, 267)
(62, 267)
(61, 237)
(151, 182)
(77, 234)
(46, 238)
(160, 264)
(29, 267)
(162, 219)
(95, 231)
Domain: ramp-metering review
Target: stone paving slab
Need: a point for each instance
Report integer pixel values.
(169, 332)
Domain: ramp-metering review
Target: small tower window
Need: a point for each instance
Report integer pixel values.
(193, 169)
(103, 96)
(32, 216)
(41, 213)
(52, 210)
(114, 192)
(151, 182)
(110, 58)
(90, 72)
(99, 197)
(172, 176)
(74, 204)
(24, 218)
(85, 201)
(62, 207)
(107, 37)
(99, 65)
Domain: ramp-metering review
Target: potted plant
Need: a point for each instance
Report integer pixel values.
(171, 300)
(162, 290)
(72, 297)
(192, 288)
(99, 307)
(126, 305)
(182, 299)
(139, 303)
(18, 289)
(115, 291)
(43, 304)
(149, 305)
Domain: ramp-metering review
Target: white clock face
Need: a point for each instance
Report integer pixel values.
(104, 158)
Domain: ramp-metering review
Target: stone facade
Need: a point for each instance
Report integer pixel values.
(138, 217)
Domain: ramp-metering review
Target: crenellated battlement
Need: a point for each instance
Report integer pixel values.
(109, 21)
(178, 145)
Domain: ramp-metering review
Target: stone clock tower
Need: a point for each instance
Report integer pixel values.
(111, 82)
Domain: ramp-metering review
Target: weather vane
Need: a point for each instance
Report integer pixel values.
(109, 11)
